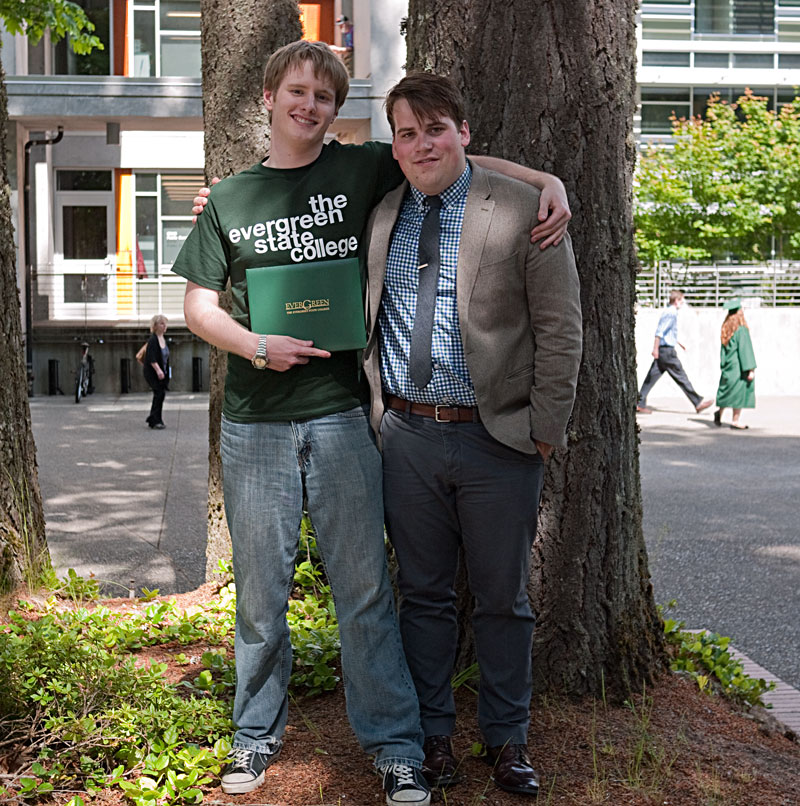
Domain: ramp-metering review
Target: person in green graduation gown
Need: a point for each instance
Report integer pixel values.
(737, 388)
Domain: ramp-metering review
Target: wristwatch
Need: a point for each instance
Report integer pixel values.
(261, 360)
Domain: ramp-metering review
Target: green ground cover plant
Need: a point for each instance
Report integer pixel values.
(705, 657)
(90, 715)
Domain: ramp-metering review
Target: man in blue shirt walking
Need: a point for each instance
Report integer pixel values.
(665, 358)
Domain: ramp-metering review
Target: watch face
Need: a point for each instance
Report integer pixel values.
(260, 362)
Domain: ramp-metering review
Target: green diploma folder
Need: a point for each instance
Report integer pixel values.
(321, 301)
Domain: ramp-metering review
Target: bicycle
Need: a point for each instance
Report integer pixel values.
(84, 374)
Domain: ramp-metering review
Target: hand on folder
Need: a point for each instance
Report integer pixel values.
(284, 352)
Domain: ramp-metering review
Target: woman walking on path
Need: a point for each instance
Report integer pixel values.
(156, 368)
(737, 388)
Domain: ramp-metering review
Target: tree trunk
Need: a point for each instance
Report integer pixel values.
(551, 84)
(236, 41)
(23, 549)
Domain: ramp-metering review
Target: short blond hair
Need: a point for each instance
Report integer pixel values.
(327, 67)
(675, 295)
(159, 317)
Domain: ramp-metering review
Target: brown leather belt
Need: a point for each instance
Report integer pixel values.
(442, 414)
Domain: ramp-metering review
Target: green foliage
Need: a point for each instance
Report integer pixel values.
(730, 182)
(704, 656)
(72, 688)
(34, 17)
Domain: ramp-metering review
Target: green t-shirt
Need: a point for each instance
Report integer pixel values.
(262, 217)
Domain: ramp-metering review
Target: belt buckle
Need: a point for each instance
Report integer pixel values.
(436, 413)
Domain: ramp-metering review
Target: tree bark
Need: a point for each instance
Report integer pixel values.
(551, 85)
(236, 41)
(23, 548)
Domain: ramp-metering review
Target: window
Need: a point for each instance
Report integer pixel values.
(84, 236)
(758, 61)
(163, 219)
(711, 59)
(789, 61)
(98, 62)
(166, 38)
(744, 17)
(659, 105)
(664, 59)
(83, 180)
(701, 95)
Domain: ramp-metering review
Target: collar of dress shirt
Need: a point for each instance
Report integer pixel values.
(450, 195)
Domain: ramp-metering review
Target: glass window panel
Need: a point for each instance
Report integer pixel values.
(180, 55)
(96, 63)
(756, 60)
(146, 236)
(665, 94)
(85, 288)
(174, 233)
(747, 17)
(656, 118)
(144, 43)
(83, 180)
(712, 16)
(666, 29)
(729, 94)
(146, 183)
(711, 59)
(753, 16)
(789, 31)
(177, 192)
(664, 59)
(180, 15)
(789, 61)
(85, 232)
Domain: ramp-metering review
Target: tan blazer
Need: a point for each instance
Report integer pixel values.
(518, 307)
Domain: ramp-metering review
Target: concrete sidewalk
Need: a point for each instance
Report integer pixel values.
(721, 523)
(122, 501)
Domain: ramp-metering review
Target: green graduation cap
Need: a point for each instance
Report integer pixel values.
(732, 304)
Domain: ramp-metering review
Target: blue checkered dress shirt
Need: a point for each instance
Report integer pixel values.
(450, 382)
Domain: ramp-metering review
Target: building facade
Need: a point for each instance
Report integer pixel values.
(689, 49)
(106, 154)
(106, 150)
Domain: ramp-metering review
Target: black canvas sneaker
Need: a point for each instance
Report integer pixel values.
(405, 785)
(245, 771)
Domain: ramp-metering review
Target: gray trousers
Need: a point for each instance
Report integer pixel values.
(448, 485)
(668, 362)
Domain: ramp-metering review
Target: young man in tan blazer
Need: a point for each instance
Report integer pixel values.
(472, 370)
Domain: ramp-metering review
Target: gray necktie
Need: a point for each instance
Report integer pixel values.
(419, 360)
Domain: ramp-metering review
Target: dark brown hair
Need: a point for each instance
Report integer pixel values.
(327, 66)
(427, 94)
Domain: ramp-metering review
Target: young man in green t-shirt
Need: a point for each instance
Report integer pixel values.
(295, 429)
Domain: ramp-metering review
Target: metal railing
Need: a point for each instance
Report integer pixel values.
(93, 295)
(709, 286)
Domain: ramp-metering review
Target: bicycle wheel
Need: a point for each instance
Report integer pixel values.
(79, 383)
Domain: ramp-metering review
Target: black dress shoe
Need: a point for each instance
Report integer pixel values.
(512, 769)
(440, 767)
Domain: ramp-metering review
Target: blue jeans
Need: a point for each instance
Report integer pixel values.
(332, 461)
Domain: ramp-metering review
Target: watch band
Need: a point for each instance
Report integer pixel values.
(261, 360)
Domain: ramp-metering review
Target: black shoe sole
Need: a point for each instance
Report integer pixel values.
(249, 786)
(441, 781)
(517, 790)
